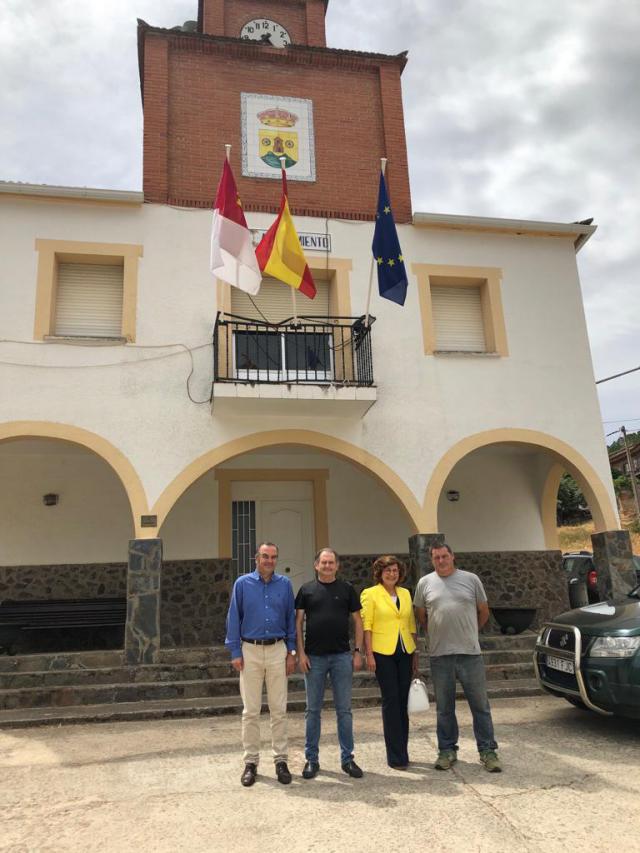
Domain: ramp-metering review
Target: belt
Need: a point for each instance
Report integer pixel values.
(270, 642)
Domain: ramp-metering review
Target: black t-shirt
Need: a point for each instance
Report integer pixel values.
(327, 607)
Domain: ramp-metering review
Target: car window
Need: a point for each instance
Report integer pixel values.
(573, 563)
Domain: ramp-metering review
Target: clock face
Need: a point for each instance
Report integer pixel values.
(266, 32)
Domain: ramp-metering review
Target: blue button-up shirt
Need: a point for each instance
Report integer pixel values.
(260, 611)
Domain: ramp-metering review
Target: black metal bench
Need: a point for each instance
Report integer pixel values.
(63, 618)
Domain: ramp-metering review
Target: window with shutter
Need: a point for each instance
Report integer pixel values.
(458, 319)
(86, 290)
(461, 308)
(89, 300)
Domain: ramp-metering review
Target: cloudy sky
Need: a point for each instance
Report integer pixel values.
(519, 110)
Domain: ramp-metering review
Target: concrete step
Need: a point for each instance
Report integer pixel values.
(212, 707)
(507, 656)
(96, 694)
(195, 654)
(186, 671)
(503, 642)
(95, 687)
(60, 661)
(116, 675)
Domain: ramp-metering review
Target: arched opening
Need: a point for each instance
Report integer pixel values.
(494, 497)
(298, 494)
(514, 463)
(65, 524)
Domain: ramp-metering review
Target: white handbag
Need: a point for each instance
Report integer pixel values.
(418, 697)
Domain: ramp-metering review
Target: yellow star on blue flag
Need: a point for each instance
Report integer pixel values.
(392, 275)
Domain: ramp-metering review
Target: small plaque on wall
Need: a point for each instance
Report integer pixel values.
(148, 521)
(272, 128)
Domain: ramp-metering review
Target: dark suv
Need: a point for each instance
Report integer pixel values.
(591, 656)
(582, 577)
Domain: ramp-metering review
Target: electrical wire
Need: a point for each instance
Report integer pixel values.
(125, 363)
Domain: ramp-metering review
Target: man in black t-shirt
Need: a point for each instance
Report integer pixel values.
(328, 604)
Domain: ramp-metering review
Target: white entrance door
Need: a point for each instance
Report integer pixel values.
(290, 525)
(284, 515)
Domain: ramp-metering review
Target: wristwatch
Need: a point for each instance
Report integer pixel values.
(293, 652)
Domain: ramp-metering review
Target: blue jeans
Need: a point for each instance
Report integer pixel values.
(469, 670)
(339, 667)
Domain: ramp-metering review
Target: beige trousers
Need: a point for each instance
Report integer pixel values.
(264, 664)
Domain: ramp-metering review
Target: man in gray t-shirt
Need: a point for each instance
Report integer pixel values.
(451, 605)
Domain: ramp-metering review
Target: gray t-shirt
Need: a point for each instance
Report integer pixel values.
(451, 604)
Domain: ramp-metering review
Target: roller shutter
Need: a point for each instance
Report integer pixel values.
(274, 302)
(457, 318)
(89, 301)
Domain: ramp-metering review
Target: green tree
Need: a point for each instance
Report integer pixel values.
(618, 444)
(572, 505)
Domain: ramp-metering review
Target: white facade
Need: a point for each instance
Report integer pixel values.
(496, 428)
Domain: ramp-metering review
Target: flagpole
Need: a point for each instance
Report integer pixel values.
(283, 160)
(383, 169)
(227, 149)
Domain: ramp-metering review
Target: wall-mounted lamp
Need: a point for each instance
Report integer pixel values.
(453, 496)
(50, 499)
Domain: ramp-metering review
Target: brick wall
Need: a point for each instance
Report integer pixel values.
(357, 116)
(303, 19)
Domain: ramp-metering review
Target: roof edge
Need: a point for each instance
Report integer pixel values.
(396, 58)
(91, 193)
(580, 231)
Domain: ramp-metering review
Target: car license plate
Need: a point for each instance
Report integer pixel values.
(560, 664)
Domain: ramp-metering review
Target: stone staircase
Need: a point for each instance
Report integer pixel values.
(97, 687)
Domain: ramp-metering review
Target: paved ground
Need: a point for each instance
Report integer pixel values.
(571, 782)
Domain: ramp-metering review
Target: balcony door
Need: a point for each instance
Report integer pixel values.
(263, 353)
(280, 512)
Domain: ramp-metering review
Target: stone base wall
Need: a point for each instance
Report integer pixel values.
(195, 593)
(195, 600)
(520, 579)
(90, 580)
(510, 578)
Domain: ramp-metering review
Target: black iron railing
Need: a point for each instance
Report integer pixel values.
(316, 350)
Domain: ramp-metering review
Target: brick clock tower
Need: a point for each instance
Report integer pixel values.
(258, 74)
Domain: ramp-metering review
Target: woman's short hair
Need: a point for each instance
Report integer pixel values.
(383, 563)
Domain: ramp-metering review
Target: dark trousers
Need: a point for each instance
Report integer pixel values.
(394, 677)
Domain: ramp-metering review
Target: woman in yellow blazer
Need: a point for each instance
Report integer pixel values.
(390, 644)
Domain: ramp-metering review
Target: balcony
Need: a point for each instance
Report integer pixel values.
(303, 365)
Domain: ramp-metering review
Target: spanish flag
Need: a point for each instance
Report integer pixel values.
(280, 254)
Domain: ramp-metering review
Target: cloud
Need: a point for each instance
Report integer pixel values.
(512, 109)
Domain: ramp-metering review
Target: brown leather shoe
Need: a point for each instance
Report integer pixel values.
(249, 776)
(282, 773)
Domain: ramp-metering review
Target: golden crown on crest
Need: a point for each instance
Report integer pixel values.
(276, 117)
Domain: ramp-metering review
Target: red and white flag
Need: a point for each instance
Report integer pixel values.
(233, 258)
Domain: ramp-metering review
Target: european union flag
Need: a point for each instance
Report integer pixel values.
(392, 276)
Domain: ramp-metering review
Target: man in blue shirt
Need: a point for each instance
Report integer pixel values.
(261, 636)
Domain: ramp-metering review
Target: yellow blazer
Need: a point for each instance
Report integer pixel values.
(381, 616)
